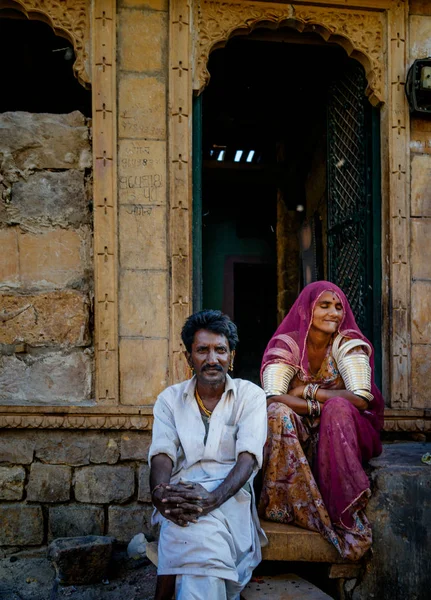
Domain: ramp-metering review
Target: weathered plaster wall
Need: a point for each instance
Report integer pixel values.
(142, 181)
(46, 259)
(59, 484)
(420, 147)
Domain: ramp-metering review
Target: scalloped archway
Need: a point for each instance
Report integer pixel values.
(68, 19)
(360, 33)
(374, 32)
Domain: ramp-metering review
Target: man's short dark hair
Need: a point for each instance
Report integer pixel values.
(211, 320)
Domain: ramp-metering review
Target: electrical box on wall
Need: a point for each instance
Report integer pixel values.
(418, 87)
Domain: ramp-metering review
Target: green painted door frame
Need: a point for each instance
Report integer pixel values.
(197, 203)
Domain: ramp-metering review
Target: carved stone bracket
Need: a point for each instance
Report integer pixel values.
(69, 19)
(360, 33)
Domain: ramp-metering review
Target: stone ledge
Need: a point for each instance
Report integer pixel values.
(75, 417)
(411, 420)
(92, 416)
(402, 455)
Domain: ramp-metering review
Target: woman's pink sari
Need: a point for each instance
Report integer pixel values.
(346, 438)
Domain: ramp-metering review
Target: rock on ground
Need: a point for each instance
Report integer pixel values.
(32, 579)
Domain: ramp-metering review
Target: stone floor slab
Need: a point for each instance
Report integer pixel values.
(282, 587)
(401, 455)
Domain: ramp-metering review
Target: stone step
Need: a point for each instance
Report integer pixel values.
(291, 543)
(282, 587)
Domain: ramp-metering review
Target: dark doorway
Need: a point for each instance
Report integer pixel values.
(254, 311)
(37, 68)
(264, 179)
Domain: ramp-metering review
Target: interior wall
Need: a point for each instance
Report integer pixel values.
(288, 126)
(288, 257)
(261, 96)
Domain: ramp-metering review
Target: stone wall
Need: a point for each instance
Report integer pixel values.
(69, 483)
(46, 278)
(400, 514)
(420, 147)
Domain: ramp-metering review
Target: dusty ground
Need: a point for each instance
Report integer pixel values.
(32, 579)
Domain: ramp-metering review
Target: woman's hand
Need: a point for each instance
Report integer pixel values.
(178, 503)
(271, 400)
(297, 392)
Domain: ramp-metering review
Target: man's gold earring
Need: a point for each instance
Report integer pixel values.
(231, 363)
(192, 371)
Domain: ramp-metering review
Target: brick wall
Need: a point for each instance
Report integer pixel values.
(420, 212)
(45, 263)
(66, 483)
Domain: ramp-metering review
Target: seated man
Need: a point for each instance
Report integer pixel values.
(208, 436)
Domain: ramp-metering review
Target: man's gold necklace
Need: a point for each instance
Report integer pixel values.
(206, 412)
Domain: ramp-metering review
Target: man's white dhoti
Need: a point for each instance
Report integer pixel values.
(225, 543)
(194, 587)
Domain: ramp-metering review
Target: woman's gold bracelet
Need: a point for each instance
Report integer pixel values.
(310, 391)
(313, 408)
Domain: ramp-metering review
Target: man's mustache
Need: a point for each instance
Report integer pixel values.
(212, 368)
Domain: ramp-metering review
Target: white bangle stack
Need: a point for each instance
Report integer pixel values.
(276, 378)
(354, 367)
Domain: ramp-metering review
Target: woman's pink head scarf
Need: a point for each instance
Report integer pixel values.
(296, 326)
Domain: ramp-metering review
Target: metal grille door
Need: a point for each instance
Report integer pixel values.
(349, 193)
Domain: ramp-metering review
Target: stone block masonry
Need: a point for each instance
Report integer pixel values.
(46, 265)
(144, 276)
(73, 483)
(104, 484)
(11, 483)
(71, 520)
(400, 513)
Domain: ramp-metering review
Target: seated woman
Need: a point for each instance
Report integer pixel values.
(324, 417)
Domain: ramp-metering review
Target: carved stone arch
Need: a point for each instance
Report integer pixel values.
(359, 33)
(68, 19)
